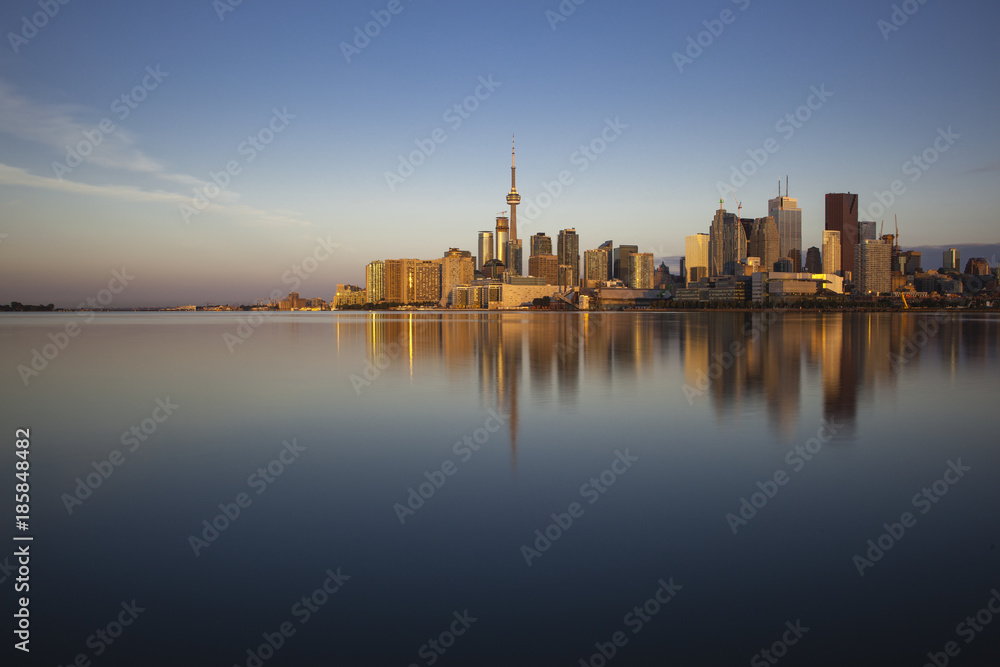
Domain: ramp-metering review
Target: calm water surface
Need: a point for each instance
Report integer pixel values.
(734, 465)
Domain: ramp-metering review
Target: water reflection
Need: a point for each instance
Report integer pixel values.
(736, 361)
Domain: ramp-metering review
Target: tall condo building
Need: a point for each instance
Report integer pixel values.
(544, 266)
(764, 243)
(595, 267)
(540, 244)
(502, 236)
(375, 281)
(568, 250)
(872, 268)
(608, 247)
(727, 243)
(814, 260)
(485, 249)
(867, 231)
(952, 259)
(831, 251)
(695, 257)
(842, 216)
(788, 216)
(640, 270)
(619, 261)
(514, 253)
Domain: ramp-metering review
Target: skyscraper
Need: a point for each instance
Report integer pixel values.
(831, 251)
(608, 247)
(867, 230)
(540, 244)
(727, 243)
(502, 236)
(568, 250)
(544, 266)
(788, 217)
(952, 259)
(696, 256)
(639, 274)
(619, 260)
(485, 249)
(814, 261)
(514, 256)
(764, 243)
(375, 281)
(842, 216)
(595, 267)
(873, 275)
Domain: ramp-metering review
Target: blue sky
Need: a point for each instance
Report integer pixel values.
(556, 84)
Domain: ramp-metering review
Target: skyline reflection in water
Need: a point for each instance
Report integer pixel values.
(708, 405)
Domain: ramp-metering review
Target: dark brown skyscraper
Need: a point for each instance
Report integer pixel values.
(842, 216)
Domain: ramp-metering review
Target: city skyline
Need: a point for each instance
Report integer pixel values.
(331, 150)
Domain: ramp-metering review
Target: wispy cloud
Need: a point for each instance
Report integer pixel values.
(994, 166)
(58, 126)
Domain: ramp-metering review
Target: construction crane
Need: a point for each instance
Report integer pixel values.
(896, 240)
(739, 204)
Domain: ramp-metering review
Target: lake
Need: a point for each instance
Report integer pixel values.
(518, 488)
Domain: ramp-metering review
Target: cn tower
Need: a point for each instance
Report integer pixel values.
(512, 197)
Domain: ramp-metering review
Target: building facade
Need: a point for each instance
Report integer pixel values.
(842, 216)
